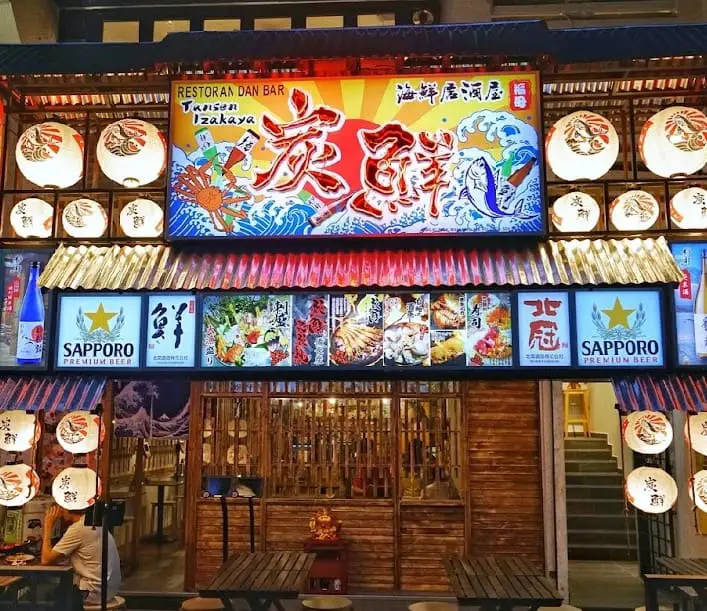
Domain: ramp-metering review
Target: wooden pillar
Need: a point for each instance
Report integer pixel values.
(192, 484)
(107, 416)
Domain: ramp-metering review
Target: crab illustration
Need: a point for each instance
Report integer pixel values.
(195, 186)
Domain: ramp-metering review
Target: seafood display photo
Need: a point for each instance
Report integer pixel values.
(357, 329)
(247, 331)
(448, 335)
(489, 341)
(406, 338)
(353, 156)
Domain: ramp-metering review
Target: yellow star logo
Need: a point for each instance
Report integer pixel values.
(99, 319)
(618, 315)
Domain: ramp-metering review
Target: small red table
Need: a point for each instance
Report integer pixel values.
(330, 572)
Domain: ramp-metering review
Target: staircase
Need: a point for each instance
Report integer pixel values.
(597, 527)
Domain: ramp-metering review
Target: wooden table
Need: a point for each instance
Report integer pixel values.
(500, 583)
(34, 574)
(261, 579)
(680, 573)
(159, 537)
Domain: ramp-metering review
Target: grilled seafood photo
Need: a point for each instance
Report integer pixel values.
(447, 347)
(448, 311)
(406, 343)
(356, 343)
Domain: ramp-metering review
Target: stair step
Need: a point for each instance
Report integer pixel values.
(588, 466)
(616, 538)
(595, 479)
(613, 522)
(598, 506)
(602, 552)
(603, 453)
(578, 443)
(578, 492)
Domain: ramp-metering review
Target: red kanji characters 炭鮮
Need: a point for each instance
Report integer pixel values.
(303, 152)
(437, 151)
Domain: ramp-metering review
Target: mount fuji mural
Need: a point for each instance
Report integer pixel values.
(152, 409)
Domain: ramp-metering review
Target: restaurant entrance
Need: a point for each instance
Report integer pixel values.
(413, 470)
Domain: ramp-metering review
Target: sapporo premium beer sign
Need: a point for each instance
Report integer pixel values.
(380, 155)
(99, 331)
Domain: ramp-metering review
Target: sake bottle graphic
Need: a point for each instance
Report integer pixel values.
(700, 319)
(30, 330)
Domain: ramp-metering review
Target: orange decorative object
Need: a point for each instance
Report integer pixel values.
(324, 527)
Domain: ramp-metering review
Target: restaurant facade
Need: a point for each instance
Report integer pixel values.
(356, 266)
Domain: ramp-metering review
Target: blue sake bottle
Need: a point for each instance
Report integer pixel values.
(30, 330)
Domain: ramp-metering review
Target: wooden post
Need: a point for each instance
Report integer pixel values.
(192, 484)
(106, 447)
(136, 488)
(560, 489)
(395, 463)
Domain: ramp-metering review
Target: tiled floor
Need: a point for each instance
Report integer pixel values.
(605, 585)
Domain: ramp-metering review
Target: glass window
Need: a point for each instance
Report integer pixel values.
(121, 31)
(331, 447)
(325, 21)
(368, 21)
(430, 447)
(162, 28)
(221, 25)
(272, 23)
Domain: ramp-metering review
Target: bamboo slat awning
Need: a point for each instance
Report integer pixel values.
(60, 394)
(685, 392)
(562, 262)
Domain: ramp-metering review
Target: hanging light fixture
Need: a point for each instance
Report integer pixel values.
(696, 434)
(32, 218)
(19, 430)
(77, 432)
(50, 155)
(634, 211)
(132, 152)
(673, 142)
(698, 490)
(142, 218)
(688, 208)
(647, 432)
(84, 218)
(651, 490)
(582, 145)
(19, 484)
(74, 488)
(575, 212)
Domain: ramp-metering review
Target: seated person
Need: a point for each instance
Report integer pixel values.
(81, 545)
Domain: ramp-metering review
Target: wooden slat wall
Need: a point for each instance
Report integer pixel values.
(368, 529)
(427, 534)
(504, 471)
(209, 535)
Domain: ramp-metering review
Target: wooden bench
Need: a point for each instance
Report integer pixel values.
(500, 583)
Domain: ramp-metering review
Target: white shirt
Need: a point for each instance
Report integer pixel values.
(82, 546)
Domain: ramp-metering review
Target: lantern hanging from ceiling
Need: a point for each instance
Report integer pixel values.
(698, 490)
(647, 432)
(696, 435)
(582, 145)
(74, 488)
(19, 431)
(651, 490)
(78, 431)
(142, 218)
(673, 142)
(688, 208)
(50, 155)
(19, 484)
(132, 152)
(32, 218)
(84, 218)
(634, 211)
(575, 212)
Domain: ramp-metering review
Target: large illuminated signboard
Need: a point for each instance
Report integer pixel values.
(358, 156)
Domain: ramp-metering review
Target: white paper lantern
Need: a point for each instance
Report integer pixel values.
(673, 142)
(19, 484)
(32, 218)
(582, 145)
(697, 436)
(651, 490)
(50, 155)
(19, 431)
(575, 212)
(77, 432)
(698, 490)
(142, 218)
(132, 152)
(647, 432)
(688, 208)
(74, 488)
(634, 211)
(84, 218)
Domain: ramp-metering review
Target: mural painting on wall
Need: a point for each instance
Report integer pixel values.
(152, 409)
